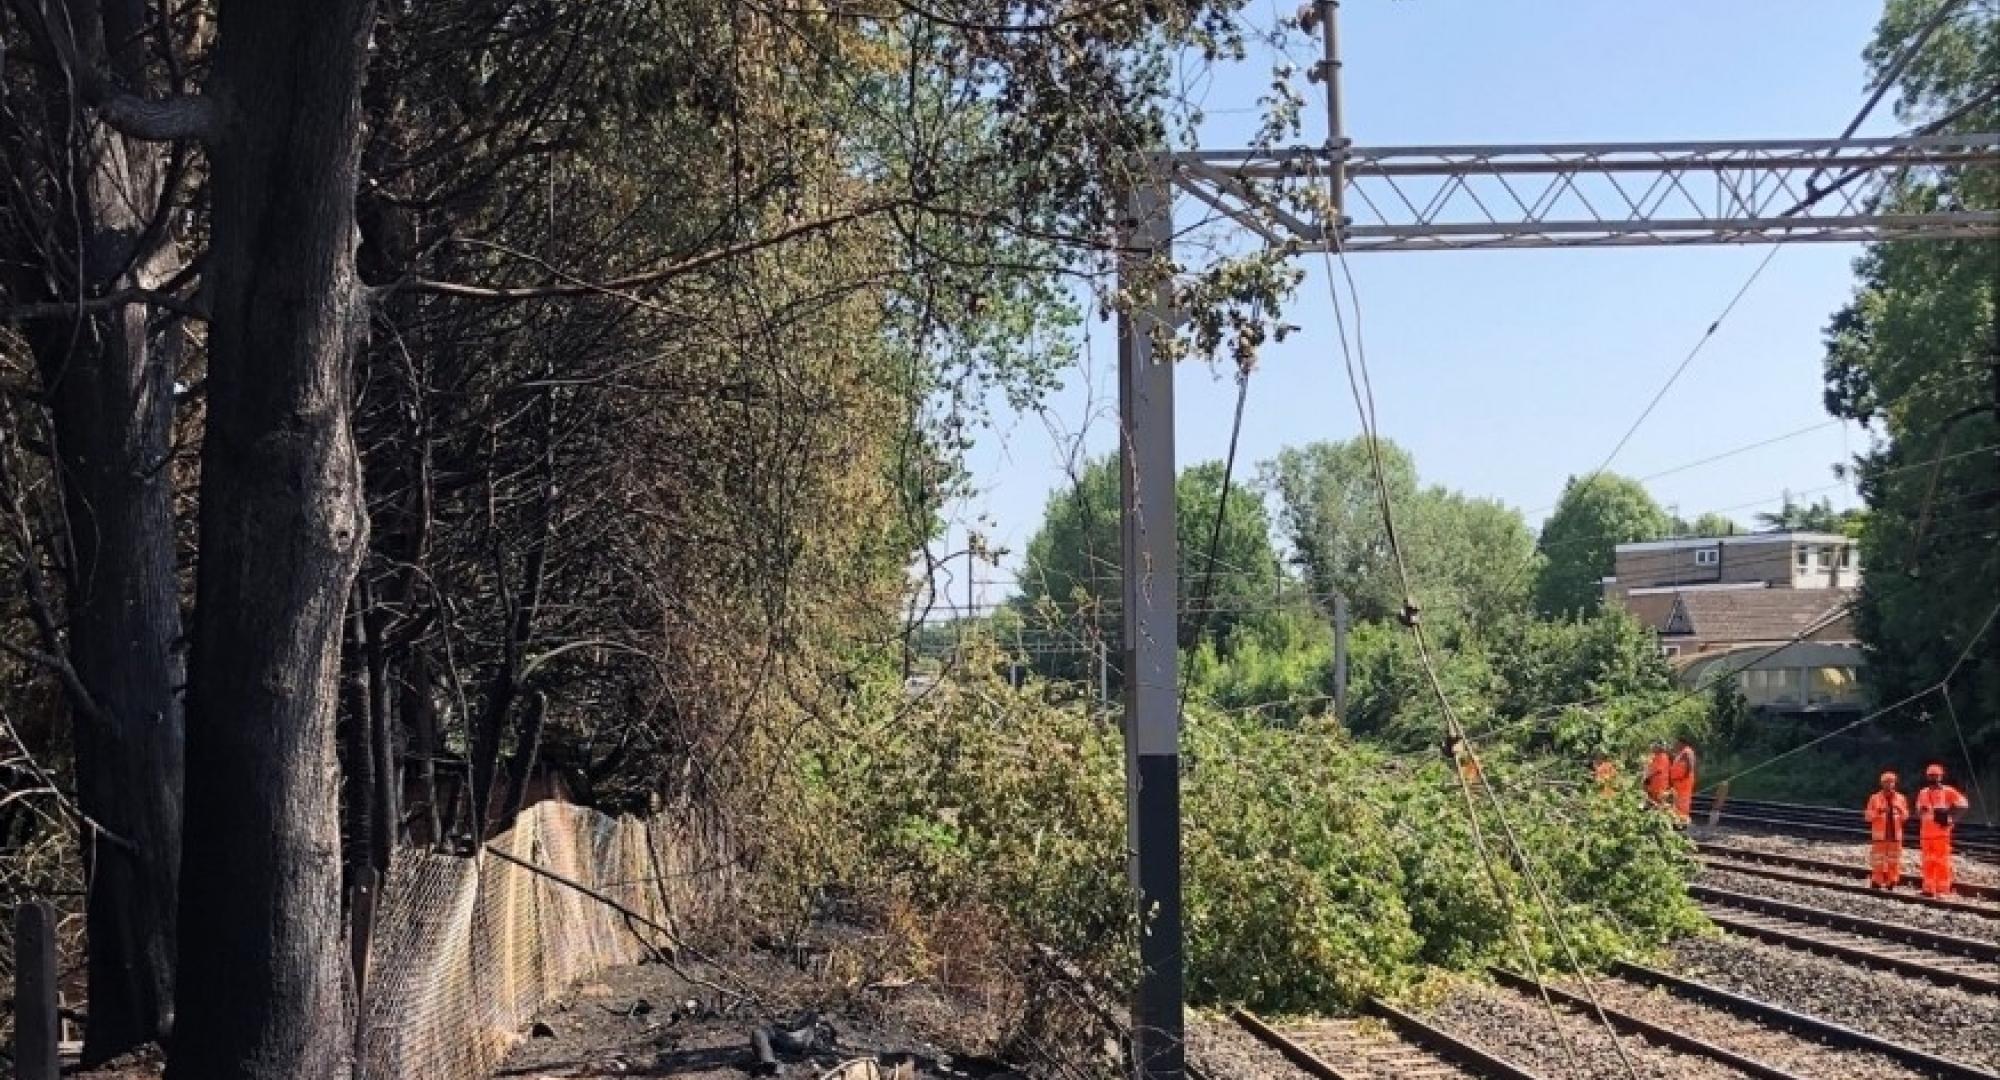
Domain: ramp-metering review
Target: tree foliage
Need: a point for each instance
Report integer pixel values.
(1468, 559)
(1318, 870)
(1071, 585)
(1915, 356)
(1578, 542)
(1571, 688)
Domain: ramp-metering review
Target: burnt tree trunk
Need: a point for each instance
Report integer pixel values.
(110, 393)
(282, 533)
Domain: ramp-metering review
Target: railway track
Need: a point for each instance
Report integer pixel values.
(1830, 867)
(1817, 879)
(1776, 1018)
(1940, 958)
(1832, 823)
(1974, 831)
(1402, 1047)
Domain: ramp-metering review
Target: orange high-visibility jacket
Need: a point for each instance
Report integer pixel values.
(1683, 767)
(1886, 813)
(1656, 775)
(1942, 798)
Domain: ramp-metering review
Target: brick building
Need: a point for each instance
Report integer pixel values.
(1770, 610)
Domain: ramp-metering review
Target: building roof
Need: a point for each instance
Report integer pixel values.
(1752, 615)
(1795, 536)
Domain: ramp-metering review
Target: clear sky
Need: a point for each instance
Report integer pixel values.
(1506, 372)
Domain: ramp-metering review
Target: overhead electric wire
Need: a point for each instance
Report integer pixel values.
(1363, 392)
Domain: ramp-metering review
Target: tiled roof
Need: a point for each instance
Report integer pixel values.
(1748, 615)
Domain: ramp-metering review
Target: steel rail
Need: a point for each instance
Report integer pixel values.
(1973, 831)
(1826, 1031)
(1802, 862)
(1829, 830)
(1853, 924)
(1856, 888)
(1865, 957)
(1448, 1046)
(1678, 1040)
(1291, 1051)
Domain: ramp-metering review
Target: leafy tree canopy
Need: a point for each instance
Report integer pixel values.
(1469, 559)
(1595, 515)
(1914, 357)
(1071, 583)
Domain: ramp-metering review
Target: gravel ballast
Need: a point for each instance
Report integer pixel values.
(1516, 1027)
(1735, 864)
(1220, 1048)
(1942, 1020)
(1938, 920)
(1750, 1038)
(1971, 871)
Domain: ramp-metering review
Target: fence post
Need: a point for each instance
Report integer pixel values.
(1715, 803)
(35, 1032)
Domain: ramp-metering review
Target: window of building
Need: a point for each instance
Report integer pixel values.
(1805, 558)
(1847, 557)
(1670, 650)
(1827, 558)
(1707, 556)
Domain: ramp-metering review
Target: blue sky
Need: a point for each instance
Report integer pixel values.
(1505, 373)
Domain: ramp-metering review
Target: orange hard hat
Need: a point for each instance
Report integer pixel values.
(1888, 778)
(1934, 772)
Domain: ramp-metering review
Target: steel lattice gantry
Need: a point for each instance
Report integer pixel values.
(1432, 198)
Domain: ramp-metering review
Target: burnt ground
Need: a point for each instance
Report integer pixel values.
(692, 1022)
(655, 1021)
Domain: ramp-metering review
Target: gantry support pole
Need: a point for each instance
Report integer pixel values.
(1151, 586)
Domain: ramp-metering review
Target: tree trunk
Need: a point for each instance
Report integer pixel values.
(111, 398)
(282, 532)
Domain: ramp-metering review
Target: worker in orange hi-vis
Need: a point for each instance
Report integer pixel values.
(1939, 806)
(1681, 774)
(1657, 768)
(1886, 812)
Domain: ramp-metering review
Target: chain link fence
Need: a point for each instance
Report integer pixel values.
(466, 950)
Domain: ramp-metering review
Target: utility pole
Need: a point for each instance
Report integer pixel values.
(1152, 708)
(1340, 656)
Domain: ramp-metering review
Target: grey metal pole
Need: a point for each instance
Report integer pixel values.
(1340, 657)
(1336, 126)
(1149, 565)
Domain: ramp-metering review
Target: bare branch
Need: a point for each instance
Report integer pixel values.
(185, 116)
(94, 305)
(571, 287)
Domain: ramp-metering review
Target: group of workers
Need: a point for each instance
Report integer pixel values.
(1670, 779)
(1939, 807)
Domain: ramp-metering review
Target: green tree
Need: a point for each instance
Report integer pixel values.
(1595, 515)
(1806, 517)
(1709, 523)
(1914, 354)
(1071, 580)
(1467, 558)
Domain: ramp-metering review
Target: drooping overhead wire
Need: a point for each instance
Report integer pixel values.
(1361, 387)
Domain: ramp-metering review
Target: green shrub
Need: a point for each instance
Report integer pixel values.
(1319, 870)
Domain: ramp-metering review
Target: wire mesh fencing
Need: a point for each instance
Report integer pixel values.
(466, 950)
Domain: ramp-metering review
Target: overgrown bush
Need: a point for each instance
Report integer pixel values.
(1319, 870)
